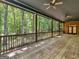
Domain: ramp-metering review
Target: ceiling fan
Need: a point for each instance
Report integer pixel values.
(53, 4)
(68, 16)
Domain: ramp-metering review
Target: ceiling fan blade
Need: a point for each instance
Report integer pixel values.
(48, 7)
(58, 3)
(46, 4)
(53, 1)
(68, 16)
(54, 7)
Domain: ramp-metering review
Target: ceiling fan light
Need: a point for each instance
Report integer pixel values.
(58, 3)
(68, 16)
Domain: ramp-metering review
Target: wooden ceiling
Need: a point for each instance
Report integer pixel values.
(70, 7)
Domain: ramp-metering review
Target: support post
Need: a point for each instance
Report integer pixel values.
(0, 46)
(63, 27)
(59, 28)
(52, 27)
(36, 27)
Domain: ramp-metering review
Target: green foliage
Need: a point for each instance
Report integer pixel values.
(10, 20)
(29, 19)
(19, 20)
(1, 17)
(14, 20)
(55, 25)
(44, 24)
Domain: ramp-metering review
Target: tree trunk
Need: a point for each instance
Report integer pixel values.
(5, 20)
(0, 24)
(14, 20)
(33, 23)
(22, 23)
(5, 25)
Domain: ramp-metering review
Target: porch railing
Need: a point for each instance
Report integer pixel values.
(11, 42)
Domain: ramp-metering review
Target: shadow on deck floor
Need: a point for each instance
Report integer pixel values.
(60, 47)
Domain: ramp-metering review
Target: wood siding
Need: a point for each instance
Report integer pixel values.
(71, 23)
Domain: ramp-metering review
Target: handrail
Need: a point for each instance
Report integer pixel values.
(10, 42)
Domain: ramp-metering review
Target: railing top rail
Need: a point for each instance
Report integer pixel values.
(21, 34)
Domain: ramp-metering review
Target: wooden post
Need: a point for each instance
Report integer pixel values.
(59, 28)
(52, 27)
(36, 27)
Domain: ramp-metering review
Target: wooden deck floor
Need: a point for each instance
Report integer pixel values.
(67, 48)
(64, 47)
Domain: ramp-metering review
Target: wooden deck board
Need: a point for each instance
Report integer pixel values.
(64, 47)
(70, 50)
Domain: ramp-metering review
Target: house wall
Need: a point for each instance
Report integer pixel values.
(71, 23)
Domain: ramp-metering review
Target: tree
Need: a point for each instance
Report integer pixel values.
(22, 22)
(5, 19)
(5, 24)
(13, 9)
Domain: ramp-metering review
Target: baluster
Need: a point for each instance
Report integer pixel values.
(0, 45)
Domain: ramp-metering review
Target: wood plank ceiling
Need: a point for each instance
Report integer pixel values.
(70, 7)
